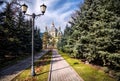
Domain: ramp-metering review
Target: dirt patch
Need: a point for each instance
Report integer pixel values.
(30, 79)
(38, 69)
(96, 66)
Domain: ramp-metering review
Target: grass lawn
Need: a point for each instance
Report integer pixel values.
(87, 72)
(42, 66)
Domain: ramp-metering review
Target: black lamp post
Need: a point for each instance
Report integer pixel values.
(24, 9)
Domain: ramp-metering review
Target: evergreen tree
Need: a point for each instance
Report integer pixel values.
(95, 33)
(45, 39)
(15, 33)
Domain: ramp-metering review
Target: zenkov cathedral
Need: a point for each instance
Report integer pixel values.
(54, 35)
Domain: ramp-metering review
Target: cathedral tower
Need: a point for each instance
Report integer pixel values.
(54, 35)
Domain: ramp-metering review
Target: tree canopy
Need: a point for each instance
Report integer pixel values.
(15, 32)
(94, 33)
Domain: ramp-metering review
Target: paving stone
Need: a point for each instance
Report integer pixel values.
(61, 70)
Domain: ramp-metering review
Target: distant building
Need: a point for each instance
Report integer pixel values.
(54, 35)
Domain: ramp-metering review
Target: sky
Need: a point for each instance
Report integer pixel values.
(58, 11)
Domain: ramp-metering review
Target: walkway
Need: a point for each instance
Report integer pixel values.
(9, 73)
(61, 70)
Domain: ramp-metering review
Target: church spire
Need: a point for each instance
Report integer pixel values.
(59, 28)
(53, 27)
(46, 29)
(53, 24)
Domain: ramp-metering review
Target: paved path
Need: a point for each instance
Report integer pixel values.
(9, 73)
(61, 70)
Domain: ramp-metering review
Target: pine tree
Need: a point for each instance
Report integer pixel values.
(95, 32)
(15, 33)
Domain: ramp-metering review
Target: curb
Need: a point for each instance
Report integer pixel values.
(49, 76)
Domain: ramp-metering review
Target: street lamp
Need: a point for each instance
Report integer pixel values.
(24, 9)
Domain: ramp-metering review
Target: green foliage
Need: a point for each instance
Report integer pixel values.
(45, 39)
(95, 33)
(87, 72)
(118, 76)
(15, 33)
(106, 69)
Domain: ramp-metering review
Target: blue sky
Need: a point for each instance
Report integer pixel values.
(58, 11)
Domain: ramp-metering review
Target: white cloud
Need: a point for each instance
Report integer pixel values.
(60, 16)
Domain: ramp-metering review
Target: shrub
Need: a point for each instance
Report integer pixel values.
(106, 69)
(117, 74)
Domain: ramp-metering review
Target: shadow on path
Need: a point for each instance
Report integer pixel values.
(12, 71)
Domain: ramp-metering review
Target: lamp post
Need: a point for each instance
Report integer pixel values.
(24, 9)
